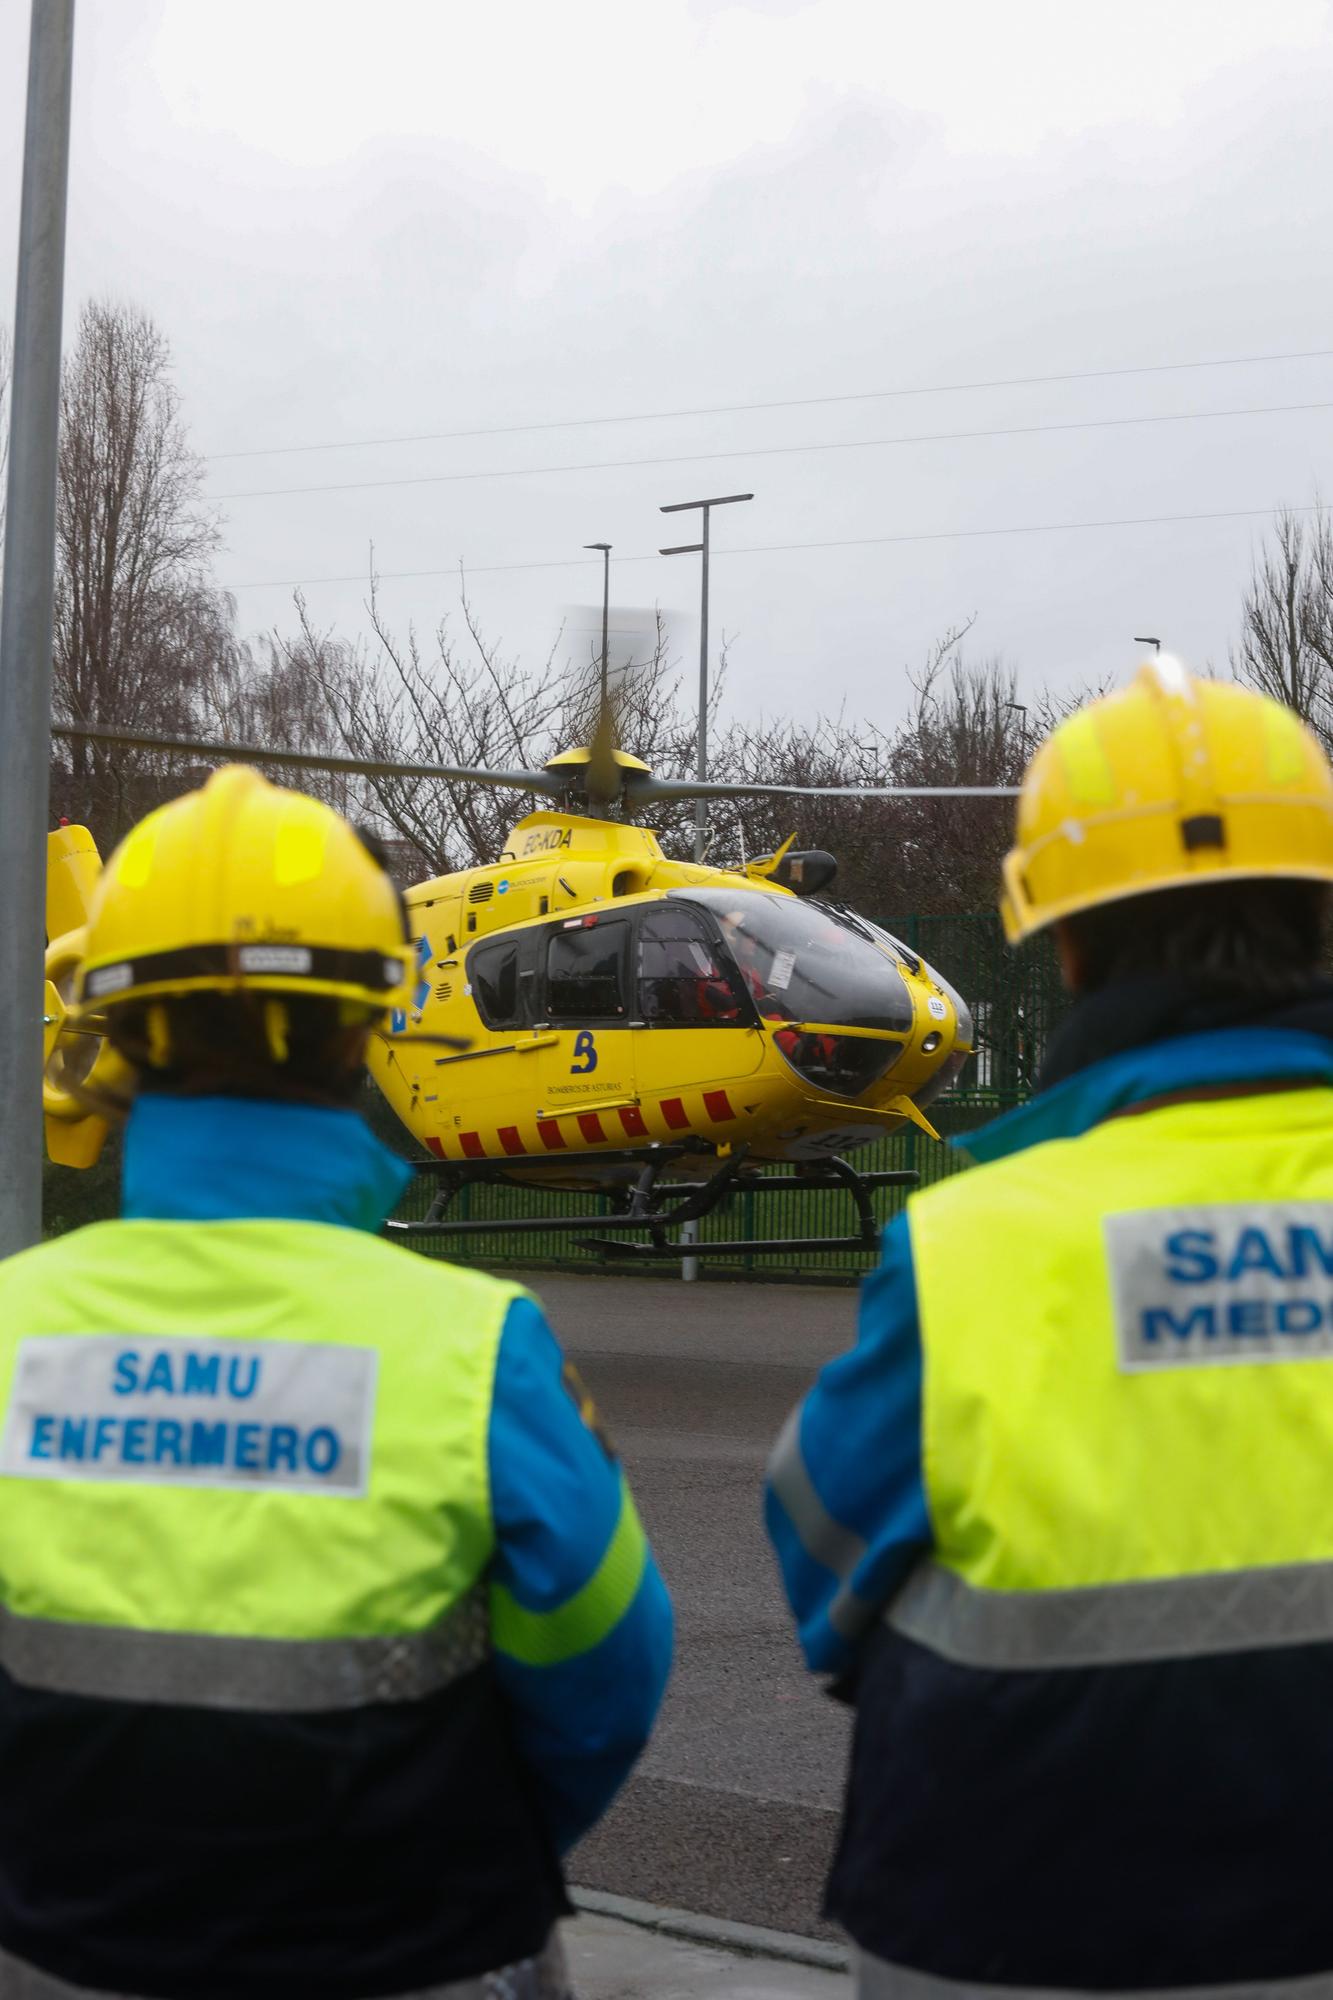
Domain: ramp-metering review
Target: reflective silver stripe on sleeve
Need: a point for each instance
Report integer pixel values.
(821, 1536)
(1170, 1618)
(850, 1614)
(877, 1979)
(544, 1977)
(206, 1670)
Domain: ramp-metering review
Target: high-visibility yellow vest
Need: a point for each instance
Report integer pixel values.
(1128, 1339)
(278, 1498)
(1092, 1750)
(246, 1621)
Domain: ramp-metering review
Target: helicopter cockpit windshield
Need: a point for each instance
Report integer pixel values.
(964, 1031)
(801, 965)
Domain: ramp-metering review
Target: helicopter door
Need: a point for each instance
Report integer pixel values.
(587, 1072)
(702, 1025)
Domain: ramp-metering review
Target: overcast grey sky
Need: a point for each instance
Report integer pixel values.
(374, 222)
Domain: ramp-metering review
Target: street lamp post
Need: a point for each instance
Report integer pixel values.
(25, 620)
(689, 1266)
(689, 549)
(1146, 639)
(605, 548)
(1021, 708)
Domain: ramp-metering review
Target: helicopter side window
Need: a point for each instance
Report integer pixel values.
(492, 971)
(684, 982)
(585, 972)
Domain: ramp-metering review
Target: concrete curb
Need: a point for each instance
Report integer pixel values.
(751, 1939)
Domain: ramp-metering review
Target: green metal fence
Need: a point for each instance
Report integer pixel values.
(1015, 998)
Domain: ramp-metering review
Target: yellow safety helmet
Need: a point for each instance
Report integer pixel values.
(1171, 782)
(243, 887)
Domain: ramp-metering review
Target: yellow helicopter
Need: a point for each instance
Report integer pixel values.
(589, 1013)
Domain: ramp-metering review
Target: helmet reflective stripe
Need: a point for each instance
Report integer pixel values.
(219, 967)
(109, 979)
(273, 958)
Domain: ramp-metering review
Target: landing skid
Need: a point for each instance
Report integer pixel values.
(643, 1210)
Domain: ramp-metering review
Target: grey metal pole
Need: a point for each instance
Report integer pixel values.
(701, 757)
(606, 610)
(25, 616)
(704, 507)
(1021, 708)
(689, 1265)
(605, 548)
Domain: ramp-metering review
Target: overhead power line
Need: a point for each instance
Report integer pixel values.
(780, 403)
(774, 451)
(787, 548)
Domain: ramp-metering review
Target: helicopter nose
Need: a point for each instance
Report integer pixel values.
(875, 1010)
(951, 1051)
(849, 1065)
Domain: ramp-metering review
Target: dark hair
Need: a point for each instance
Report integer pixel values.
(1245, 938)
(218, 1046)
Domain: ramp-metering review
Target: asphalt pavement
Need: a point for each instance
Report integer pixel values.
(733, 1810)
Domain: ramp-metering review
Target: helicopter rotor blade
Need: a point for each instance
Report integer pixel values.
(646, 791)
(546, 782)
(605, 779)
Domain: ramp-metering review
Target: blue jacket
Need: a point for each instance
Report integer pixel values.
(580, 1724)
(859, 1428)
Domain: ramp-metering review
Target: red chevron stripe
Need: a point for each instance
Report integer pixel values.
(673, 1110)
(552, 1137)
(718, 1105)
(510, 1140)
(633, 1121)
(472, 1146)
(436, 1146)
(591, 1125)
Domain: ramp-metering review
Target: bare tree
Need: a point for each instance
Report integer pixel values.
(136, 618)
(893, 854)
(966, 727)
(931, 856)
(1286, 644)
(272, 692)
(465, 702)
(396, 703)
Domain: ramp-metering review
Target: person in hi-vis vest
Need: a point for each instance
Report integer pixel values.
(1061, 1521)
(326, 1618)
